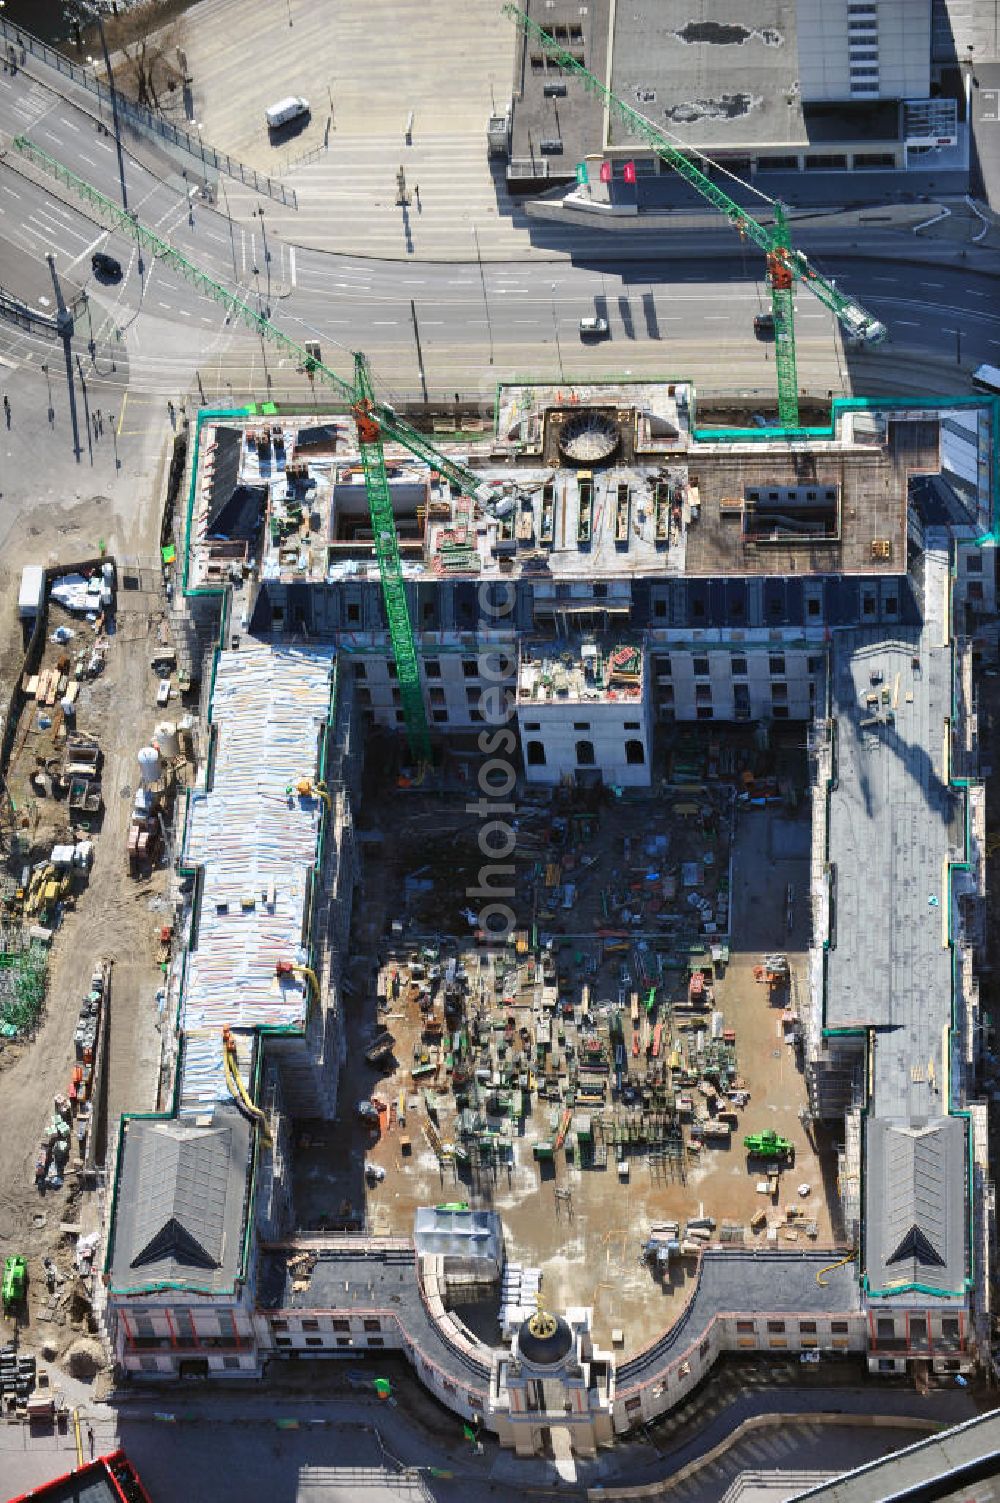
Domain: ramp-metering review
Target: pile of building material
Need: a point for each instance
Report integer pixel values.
(519, 1289)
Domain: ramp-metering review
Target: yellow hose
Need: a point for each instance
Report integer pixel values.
(236, 1088)
(821, 1281)
(311, 977)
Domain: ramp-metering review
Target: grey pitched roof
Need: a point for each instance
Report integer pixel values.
(181, 1194)
(915, 1228)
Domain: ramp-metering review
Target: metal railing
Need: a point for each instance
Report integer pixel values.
(18, 43)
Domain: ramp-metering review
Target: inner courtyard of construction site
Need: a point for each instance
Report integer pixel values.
(593, 1082)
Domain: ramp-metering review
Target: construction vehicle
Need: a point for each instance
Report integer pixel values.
(15, 1283)
(376, 421)
(785, 266)
(768, 1145)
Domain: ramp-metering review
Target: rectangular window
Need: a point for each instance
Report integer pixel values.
(739, 667)
(746, 1327)
(376, 1341)
(371, 1324)
(885, 1327)
(839, 1327)
(282, 1341)
(341, 1325)
(470, 667)
(532, 725)
(780, 712)
(310, 1325)
(703, 694)
(439, 716)
(659, 606)
(815, 665)
(775, 1327)
(344, 1341)
(314, 1341)
(360, 669)
(662, 667)
(779, 694)
(705, 712)
(949, 1328)
(633, 725)
(279, 1325)
(667, 696)
(581, 725)
(436, 696)
(973, 563)
(432, 668)
(700, 666)
(807, 1327)
(231, 1364)
(776, 665)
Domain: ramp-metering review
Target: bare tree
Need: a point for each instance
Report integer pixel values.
(147, 37)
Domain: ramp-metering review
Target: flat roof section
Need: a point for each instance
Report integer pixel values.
(254, 836)
(712, 74)
(890, 832)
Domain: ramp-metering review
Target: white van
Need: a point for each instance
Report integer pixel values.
(285, 110)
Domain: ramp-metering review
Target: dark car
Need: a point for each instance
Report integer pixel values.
(103, 265)
(763, 325)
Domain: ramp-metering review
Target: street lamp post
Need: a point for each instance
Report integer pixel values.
(267, 262)
(486, 301)
(96, 16)
(555, 330)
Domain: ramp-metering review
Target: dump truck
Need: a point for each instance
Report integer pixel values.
(767, 1145)
(15, 1283)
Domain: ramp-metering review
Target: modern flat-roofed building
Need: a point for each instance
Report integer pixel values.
(786, 91)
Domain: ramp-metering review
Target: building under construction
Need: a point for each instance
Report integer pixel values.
(638, 600)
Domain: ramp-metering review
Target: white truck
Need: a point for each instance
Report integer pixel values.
(32, 592)
(285, 110)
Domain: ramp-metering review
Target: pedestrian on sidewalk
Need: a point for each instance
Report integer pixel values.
(90, 1440)
(416, 195)
(6, 409)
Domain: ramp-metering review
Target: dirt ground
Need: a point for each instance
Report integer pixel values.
(575, 1216)
(112, 918)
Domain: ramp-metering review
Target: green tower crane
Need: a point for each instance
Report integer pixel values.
(375, 422)
(785, 265)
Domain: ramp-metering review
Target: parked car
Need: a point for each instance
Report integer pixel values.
(103, 265)
(593, 325)
(763, 326)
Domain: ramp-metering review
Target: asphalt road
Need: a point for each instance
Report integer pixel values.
(687, 313)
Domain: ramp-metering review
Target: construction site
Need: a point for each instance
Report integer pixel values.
(567, 861)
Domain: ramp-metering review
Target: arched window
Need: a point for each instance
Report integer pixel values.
(585, 753)
(635, 753)
(536, 754)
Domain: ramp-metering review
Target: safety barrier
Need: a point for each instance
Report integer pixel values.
(20, 42)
